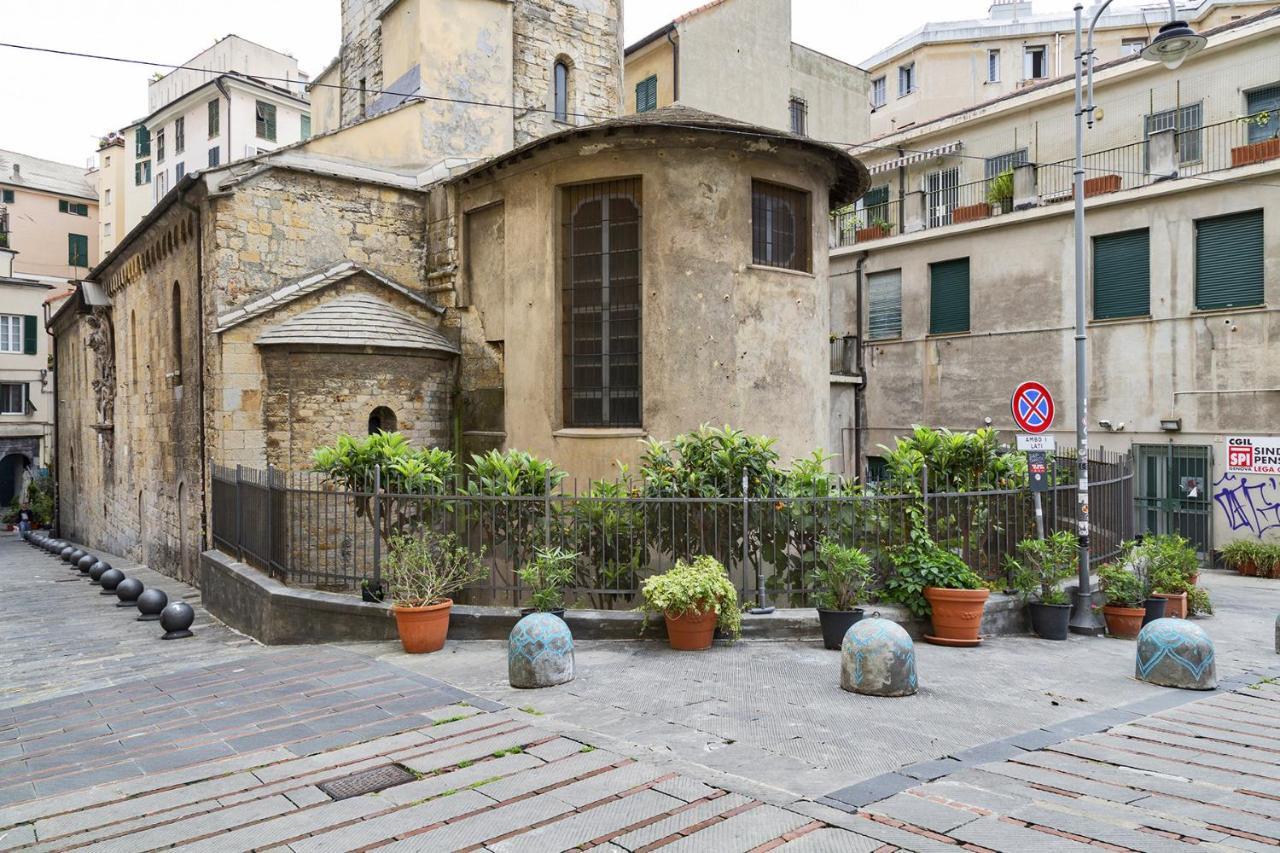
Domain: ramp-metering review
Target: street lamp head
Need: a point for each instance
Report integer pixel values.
(1174, 43)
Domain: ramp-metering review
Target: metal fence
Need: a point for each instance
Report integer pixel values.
(305, 531)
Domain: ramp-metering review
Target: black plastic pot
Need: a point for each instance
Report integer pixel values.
(1155, 609)
(1049, 621)
(372, 593)
(525, 611)
(834, 625)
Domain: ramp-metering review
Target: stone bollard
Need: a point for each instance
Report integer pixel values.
(540, 652)
(97, 570)
(128, 591)
(878, 658)
(1176, 653)
(176, 620)
(108, 581)
(151, 604)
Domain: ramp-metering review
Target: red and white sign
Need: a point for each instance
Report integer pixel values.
(1253, 454)
(1032, 407)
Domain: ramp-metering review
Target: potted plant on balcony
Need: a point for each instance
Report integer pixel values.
(876, 229)
(1263, 149)
(841, 576)
(1241, 555)
(1000, 192)
(931, 581)
(695, 598)
(546, 576)
(1045, 564)
(1124, 594)
(422, 570)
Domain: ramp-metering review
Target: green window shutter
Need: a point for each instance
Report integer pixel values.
(885, 314)
(306, 126)
(1229, 261)
(1122, 275)
(7, 197)
(647, 94)
(142, 142)
(62, 205)
(29, 339)
(77, 250)
(949, 297)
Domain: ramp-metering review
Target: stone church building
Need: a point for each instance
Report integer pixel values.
(549, 277)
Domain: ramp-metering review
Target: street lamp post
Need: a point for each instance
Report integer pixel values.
(1174, 43)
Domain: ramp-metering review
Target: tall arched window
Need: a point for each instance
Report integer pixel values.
(133, 347)
(177, 334)
(561, 90)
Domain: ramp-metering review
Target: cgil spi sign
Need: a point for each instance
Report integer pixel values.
(1248, 454)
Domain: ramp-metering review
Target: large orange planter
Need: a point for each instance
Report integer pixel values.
(1123, 622)
(690, 632)
(1175, 604)
(957, 614)
(423, 629)
(1257, 152)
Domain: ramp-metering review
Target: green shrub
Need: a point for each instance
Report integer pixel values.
(1268, 561)
(922, 563)
(1121, 587)
(841, 576)
(1045, 564)
(696, 587)
(1239, 553)
(1000, 188)
(1171, 562)
(1198, 602)
(426, 568)
(546, 576)
(608, 530)
(517, 524)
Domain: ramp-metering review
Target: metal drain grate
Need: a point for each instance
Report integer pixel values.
(366, 782)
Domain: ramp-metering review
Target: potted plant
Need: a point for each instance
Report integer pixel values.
(1268, 561)
(932, 581)
(372, 591)
(546, 576)
(422, 570)
(695, 598)
(875, 230)
(1173, 567)
(1000, 192)
(1045, 564)
(841, 576)
(1263, 149)
(1241, 555)
(1124, 595)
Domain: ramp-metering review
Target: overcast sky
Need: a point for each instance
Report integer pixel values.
(57, 106)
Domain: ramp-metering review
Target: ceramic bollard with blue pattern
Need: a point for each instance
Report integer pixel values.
(540, 652)
(878, 658)
(1176, 653)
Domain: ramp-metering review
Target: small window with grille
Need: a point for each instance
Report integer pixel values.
(780, 227)
(799, 117)
(601, 254)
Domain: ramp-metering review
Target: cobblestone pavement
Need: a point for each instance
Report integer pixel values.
(113, 740)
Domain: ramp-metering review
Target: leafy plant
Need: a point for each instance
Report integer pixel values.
(426, 568)
(546, 576)
(1268, 561)
(1045, 564)
(1239, 553)
(1171, 560)
(694, 587)
(841, 575)
(1120, 586)
(607, 527)
(39, 498)
(1000, 188)
(1198, 602)
(517, 524)
(922, 563)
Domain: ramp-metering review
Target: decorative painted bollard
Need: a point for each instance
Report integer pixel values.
(540, 652)
(176, 619)
(877, 658)
(128, 591)
(1176, 653)
(151, 603)
(108, 581)
(86, 562)
(96, 571)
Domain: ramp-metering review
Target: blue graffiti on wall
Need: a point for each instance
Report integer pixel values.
(1251, 504)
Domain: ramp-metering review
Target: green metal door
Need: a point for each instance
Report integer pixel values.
(1173, 492)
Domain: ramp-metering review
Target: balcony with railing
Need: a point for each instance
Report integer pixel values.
(1165, 154)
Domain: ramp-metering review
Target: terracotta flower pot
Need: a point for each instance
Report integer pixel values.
(971, 212)
(1256, 152)
(423, 629)
(874, 232)
(1123, 622)
(690, 632)
(957, 615)
(1249, 569)
(1175, 604)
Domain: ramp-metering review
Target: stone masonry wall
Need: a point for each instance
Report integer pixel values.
(132, 480)
(587, 33)
(360, 55)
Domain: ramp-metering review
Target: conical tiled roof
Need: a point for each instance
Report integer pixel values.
(358, 320)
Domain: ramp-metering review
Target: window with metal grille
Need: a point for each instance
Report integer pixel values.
(1187, 122)
(1001, 163)
(214, 114)
(77, 250)
(879, 92)
(799, 117)
(885, 313)
(601, 250)
(1266, 99)
(1122, 275)
(647, 94)
(264, 117)
(875, 206)
(13, 398)
(949, 297)
(1229, 258)
(942, 195)
(780, 227)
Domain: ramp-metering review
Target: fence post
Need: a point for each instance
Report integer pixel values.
(239, 519)
(377, 525)
(271, 536)
(924, 492)
(546, 510)
(761, 605)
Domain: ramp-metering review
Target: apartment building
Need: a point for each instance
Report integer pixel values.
(48, 216)
(947, 66)
(775, 83)
(961, 274)
(244, 99)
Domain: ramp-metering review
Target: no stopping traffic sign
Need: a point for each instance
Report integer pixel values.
(1032, 407)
